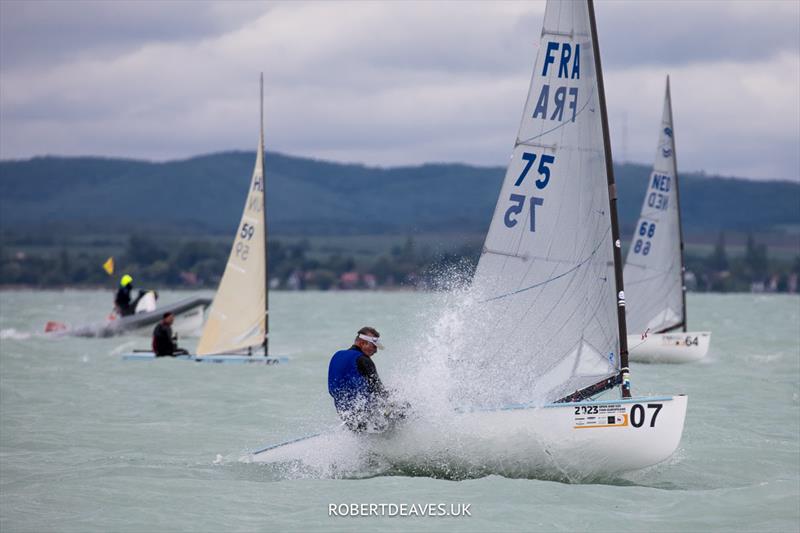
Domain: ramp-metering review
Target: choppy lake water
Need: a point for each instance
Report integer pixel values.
(91, 443)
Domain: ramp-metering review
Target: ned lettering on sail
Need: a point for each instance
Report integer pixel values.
(568, 69)
(660, 184)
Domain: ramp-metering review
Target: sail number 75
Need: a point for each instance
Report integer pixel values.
(518, 200)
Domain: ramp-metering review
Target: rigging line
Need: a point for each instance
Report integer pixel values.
(523, 316)
(545, 342)
(646, 218)
(642, 266)
(552, 308)
(658, 275)
(584, 244)
(565, 322)
(542, 258)
(498, 346)
(609, 341)
(637, 345)
(526, 141)
(587, 241)
(573, 269)
(550, 312)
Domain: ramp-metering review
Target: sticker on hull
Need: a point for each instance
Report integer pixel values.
(600, 416)
(680, 340)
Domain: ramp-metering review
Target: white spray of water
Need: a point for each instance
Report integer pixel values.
(123, 348)
(452, 364)
(13, 334)
(445, 375)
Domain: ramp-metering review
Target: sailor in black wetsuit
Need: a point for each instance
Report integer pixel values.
(122, 301)
(163, 340)
(358, 393)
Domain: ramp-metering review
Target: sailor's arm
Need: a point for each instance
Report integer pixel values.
(367, 369)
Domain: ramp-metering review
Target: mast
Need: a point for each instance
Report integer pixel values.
(612, 197)
(264, 214)
(678, 206)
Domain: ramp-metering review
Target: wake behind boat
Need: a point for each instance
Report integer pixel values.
(654, 269)
(550, 302)
(237, 329)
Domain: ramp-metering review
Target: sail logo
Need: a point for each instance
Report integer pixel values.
(666, 146)
(569, 68)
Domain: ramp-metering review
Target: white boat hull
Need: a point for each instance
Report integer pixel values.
(189, 316)
(571, 440)
(677, 347)
(218, 359)
(189, 323)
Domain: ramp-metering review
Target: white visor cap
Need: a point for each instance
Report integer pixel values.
(373, 340)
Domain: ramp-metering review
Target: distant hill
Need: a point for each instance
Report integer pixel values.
(204, 195)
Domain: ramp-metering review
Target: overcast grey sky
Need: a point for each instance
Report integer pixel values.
(389, 83)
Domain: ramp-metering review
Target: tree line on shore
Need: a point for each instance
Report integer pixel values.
(297, 265)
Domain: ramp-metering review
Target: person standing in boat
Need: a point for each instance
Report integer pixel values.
(122, 302)
(358, 393)
(164, 342)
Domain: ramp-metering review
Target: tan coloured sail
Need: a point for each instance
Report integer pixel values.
(238, 316)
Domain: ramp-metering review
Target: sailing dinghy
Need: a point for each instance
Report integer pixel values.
(237, 329)
(553, 306)
(189, 314)
(654, 269)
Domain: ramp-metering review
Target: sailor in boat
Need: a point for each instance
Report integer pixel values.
(164, 342)
(122, 302)
(360, 398)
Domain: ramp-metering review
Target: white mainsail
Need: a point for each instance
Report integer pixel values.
(654, 267)
(547, 270)
(238, 317)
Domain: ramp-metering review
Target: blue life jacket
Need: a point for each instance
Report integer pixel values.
(345, 383)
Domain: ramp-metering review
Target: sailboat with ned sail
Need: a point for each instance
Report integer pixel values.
(237, 328)
(551, 290)
(654, 269)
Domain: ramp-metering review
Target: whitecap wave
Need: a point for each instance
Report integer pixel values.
(14, 334)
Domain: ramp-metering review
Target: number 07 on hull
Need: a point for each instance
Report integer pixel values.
(579, 440)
